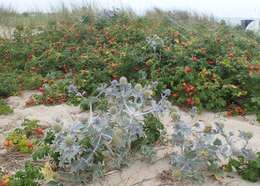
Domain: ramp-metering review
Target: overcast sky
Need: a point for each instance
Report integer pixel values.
(219, 8)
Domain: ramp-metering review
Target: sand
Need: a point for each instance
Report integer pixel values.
(6, 32)
(139, 172)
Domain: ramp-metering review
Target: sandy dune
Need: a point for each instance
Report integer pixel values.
(139, 172)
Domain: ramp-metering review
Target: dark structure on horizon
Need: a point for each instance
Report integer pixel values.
(246, 22)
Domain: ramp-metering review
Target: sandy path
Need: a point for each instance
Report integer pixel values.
(139, 172)
(46, 115)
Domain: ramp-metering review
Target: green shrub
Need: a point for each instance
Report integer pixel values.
(204, 63)
(8, 85)
(5, 108)
(248, 169)
(31, 81)
(258, 116)
(30, 175)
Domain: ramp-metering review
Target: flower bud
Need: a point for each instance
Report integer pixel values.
(167, 92)
(113, 110)
(138, 87)
(123, 81)
(57, 127)
(148, 93)
(114, 82)
(175, 116)
(69, 140)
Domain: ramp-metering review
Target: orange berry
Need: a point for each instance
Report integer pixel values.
(187, 69)
(39, 131)
(195, 59)
(175, 95)
(229, 113)
(4, 183)
(190, 101)
(29, 145)
(8, 144)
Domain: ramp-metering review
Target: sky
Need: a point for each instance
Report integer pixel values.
(218, 8)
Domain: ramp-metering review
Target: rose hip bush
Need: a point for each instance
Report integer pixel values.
(203, 63)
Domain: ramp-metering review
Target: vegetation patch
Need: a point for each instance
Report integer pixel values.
(150, 61)
(9, 84)
(204, 63)
(249, 169)
(5, 108)
(23, 139)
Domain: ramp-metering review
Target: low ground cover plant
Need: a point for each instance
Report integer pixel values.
(51, 93)
(9, 84)
(30, 81)
(249, 169)
(30, 175)
(5, 108)
(24, 139)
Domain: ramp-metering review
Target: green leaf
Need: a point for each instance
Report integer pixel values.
(217, 142)
(250, 175)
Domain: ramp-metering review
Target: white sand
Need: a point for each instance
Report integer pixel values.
(139, 172)
(6, 32)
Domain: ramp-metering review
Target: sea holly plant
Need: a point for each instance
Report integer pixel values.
(110, 136)
(155, 42)
(81, 146)
(202, 148)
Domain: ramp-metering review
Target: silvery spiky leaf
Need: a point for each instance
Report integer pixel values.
(112, 130)
(245, 135)
(110, 13)
(194, 112)
(71, 143)
(198, 147)
(155, 42)
(72, 89)
(148, 152)
(67, 147)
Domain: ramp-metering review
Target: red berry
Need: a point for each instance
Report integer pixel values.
(210, 62)
(230, 55)
(29, 145)
(41, 89)
(187, 69)
(175, 94)
(190, 101)
(39, 131)
(195, 59)
(188, 88)
(239, 110)
(4, 183)
(115, 77)
(8, 144)
(229, 113)
(29, 57)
